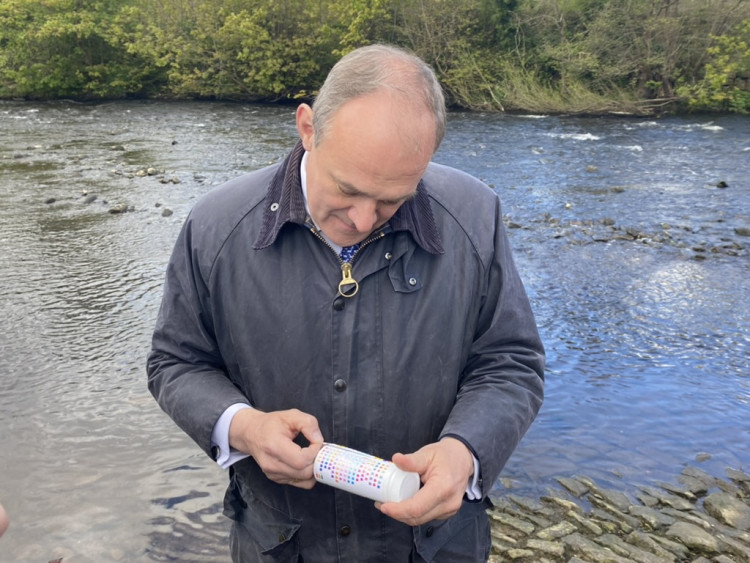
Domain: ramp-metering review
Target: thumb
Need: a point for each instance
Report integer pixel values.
(416, 462)
(312, 432)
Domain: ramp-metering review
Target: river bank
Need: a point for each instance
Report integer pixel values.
(698, 519)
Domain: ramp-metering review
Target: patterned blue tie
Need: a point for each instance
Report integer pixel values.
(348, 252)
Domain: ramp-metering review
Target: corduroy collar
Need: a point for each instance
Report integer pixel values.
(285, 203)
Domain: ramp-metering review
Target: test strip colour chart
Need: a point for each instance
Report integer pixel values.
(346, 466)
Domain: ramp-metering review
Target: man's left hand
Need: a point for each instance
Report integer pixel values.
(445, 468)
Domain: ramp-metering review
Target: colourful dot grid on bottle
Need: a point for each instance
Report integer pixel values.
(344, 465)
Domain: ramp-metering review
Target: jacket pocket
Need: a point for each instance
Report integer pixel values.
(464, 537)
(270, 529)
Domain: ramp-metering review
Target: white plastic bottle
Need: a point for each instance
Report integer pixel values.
(363, 474)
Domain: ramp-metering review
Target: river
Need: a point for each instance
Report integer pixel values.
(636, 262)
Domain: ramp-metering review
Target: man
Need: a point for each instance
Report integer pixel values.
(361, 295)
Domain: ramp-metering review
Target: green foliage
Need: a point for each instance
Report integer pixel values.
(727, 74)
(526, 55)
(66, 48)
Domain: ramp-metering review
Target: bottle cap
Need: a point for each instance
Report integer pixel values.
(401, 485)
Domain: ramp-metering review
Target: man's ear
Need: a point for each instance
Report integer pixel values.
(305, 126)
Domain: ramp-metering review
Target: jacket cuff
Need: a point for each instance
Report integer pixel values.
(475, 486)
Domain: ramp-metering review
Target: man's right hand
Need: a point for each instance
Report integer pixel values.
(269, 438)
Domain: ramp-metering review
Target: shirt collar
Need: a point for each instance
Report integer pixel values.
(286, 203)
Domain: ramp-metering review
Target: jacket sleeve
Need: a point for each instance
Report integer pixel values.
(502, 386)
(186, 373)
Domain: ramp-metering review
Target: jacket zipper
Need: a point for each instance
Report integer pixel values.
(348, 286)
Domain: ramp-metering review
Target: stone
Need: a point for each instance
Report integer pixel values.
(693, 537)
(651, 517)
(696, 487)
(728, 509)
(736, 475)
(631, 551)
(627, 523)
(592, 551)
(512, 522)
(592, 527)
(735, 547)
(615, 498)
(557, 531)
(667, 499)
(519, 554)
(680, 490)
(576, 487)
(563, 503)
(548, 547)
(645, 541)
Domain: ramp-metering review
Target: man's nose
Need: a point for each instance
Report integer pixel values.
(364, 215)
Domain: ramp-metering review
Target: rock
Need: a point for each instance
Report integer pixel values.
(557, 531)
(680, 490)
(580, 545)
(50, 200)
(667, 499)
(564, 503)
(513, 522)
(120, 208)
(625, 549)
(575, 486)
(645, 541)
(548, 547)
(728, 509)
(166, 212)
(742, 231)
(722, 184)
(653, 519)
(615, 498)
(91, 198)
(693, 537)
(671, 528)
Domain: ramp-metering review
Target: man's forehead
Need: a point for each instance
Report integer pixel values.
(397, 192)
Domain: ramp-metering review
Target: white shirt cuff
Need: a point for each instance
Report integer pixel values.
(220, 437)
(473, 490)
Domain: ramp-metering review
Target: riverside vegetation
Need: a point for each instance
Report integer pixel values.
(540, 56)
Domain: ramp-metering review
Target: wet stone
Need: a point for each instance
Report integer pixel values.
(693, 537)
(653, 519)
(557, 531)
(728, 509)
(574, 486)
(710, 524)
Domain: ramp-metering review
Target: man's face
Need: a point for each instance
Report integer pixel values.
(368, 164)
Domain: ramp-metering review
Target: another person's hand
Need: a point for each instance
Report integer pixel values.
(445, 468)
(3, 520)
(269, 438)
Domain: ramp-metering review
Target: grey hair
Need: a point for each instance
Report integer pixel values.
(372, 68)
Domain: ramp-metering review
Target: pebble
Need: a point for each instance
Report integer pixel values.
(702, 519)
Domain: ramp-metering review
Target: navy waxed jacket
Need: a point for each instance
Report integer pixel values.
(439, 340)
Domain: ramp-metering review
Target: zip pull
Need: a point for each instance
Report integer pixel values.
(348, 286)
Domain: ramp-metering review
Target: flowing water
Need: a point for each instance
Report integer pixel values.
(637, 265)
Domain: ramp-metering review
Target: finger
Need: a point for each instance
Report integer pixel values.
(309, 428)
(434, 501)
